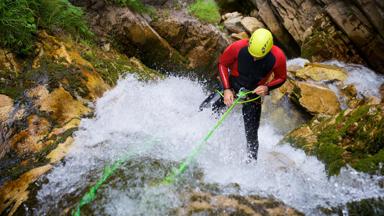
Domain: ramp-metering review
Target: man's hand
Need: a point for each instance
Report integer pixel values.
(261, 90)
(228, 97)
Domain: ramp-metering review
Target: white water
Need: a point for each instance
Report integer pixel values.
(134, 114)
(367, 82)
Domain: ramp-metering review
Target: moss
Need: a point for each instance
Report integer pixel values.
(36, 159)
(50, 73)
(205, 10)
(331, 155)
(371, 164)
(366, 207)
(356, 138)
(299, 142)
(111, 65)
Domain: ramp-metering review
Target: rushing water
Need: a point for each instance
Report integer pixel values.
(159, 122)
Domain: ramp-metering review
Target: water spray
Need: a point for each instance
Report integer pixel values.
(109, 170)
(183, 166)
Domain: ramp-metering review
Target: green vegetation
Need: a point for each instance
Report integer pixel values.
(55, 75)
(354, 138)
(21, 19)
(205, 10)
(111, 65)
(135, 5)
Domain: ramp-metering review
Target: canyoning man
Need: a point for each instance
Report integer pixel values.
(250, 64)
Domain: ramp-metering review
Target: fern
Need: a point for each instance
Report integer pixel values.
(20, 20)
(17, 24)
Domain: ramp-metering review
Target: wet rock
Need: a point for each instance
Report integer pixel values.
(231, 15)
(359, 30)
(350, 91)
(321, 72)
(353, 103)
(324, 30)
(372, 100)
(282, 114)
(59, 153)
(251, 24)
(303, 137)
(273, 23)
(8, 61)
(137, 37)
(209, 204)
(315, 99)
(30, 139)
(200, 44)
(14, 193)
(95, 85)
(50, 47)
(6, 106)
(234, 24)
(350, 137)
(326, 42)
(239, 36)
(374, 13)
(287, 87)
(62, 106)
(372, 206)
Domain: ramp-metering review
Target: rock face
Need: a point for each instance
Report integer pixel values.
(200, 44)
(6, 105)
(8, 61)
(136, 36)
(316, 99)
(172, 42)
(321, 30)
(320, 72)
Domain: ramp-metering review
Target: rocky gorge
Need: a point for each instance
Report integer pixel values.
(46, 96)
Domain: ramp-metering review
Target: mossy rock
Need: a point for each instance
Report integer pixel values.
(364, 207)
(354, 137)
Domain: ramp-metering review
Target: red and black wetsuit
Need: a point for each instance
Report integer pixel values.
(237, 69)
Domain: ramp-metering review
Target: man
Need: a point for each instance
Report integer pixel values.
(249, 64)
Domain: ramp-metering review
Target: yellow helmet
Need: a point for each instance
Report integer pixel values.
(261, 43)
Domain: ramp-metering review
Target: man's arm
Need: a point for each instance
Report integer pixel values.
(225, 61)
(279, 70)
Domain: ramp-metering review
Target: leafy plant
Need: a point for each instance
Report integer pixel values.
(205, 10)
(17, 24)
(57, 15)
(20, 20)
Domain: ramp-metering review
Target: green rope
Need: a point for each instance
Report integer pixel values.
(107, 172)
(241, 102)
(250, 100)
(183, 166)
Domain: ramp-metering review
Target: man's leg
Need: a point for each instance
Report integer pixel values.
(251, 116)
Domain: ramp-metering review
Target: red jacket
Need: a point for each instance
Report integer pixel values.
(241, 66)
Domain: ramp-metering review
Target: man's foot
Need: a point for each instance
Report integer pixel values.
(251, 159)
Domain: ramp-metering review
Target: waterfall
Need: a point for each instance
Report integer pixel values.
(163, 116)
